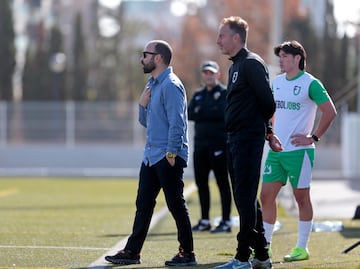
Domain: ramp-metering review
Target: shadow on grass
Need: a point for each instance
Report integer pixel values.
(62, 207)
(112, 235)
(156, 236)
(199, 266)
(351, 232)
(161, 234)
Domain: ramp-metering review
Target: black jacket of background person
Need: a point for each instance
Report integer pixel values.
(209, 119)
(250, 102)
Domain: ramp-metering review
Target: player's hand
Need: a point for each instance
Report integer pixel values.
(301, 140)
(275, 143)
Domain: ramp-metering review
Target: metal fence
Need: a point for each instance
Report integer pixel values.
(78, 123)
(73, 137)
(69, 123)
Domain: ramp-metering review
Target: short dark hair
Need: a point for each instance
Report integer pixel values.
(295, 48)
(164, 49)
(238, 25)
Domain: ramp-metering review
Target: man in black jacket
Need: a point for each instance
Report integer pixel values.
(250, 105)
(206, 109)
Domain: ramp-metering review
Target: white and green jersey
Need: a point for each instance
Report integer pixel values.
(296, 105)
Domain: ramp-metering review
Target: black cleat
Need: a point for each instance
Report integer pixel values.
(223, 227)
(201, 227)
(124, 257)
(182, 259)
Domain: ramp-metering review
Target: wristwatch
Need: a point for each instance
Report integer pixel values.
(316, 139)
(170, 155)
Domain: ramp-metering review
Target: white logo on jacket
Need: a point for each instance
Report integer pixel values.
(235, 76)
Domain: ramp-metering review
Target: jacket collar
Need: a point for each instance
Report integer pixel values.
(243, 52)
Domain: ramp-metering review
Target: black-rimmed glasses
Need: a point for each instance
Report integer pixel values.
(149, 52)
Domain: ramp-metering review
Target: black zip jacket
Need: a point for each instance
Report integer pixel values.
(207, 109)
(250, 102)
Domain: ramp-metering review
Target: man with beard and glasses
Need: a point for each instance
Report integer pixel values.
(163, 112)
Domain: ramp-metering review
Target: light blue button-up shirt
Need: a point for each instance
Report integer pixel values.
(165, 118)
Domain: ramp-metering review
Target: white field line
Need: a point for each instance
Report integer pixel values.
(101, 263)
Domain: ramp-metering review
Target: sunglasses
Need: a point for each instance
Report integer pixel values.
(148, 52)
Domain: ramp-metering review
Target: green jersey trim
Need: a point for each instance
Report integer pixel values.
(317, 92)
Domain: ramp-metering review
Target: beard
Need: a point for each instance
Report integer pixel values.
(149, 67)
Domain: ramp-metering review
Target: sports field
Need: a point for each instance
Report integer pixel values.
(73, 222)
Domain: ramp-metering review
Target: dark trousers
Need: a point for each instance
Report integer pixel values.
(215, 159)
(245, 154)
(153, 178)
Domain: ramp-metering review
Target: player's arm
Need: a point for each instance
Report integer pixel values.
(328, 111)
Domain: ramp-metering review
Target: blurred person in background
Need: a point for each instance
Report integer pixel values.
(249, 108)
(163, 112)
(207, 109)
(297, 95)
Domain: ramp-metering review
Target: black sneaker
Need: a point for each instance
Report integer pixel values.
(182, 259)
(223, 227)
(124, 257)
(201, 227)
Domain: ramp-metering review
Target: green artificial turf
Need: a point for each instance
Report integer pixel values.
(70, 223)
